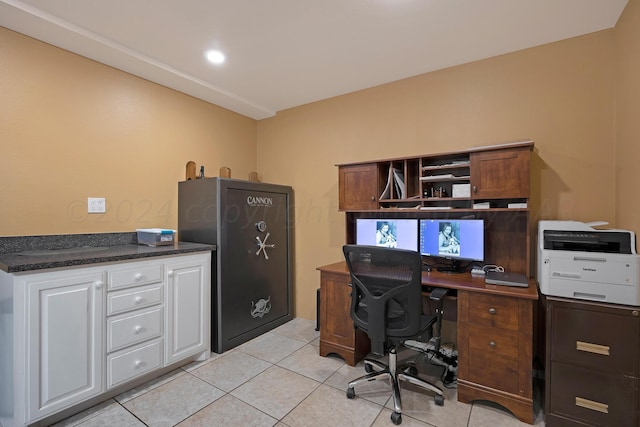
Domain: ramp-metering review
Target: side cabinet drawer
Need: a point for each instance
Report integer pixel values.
(125, 330)
(593, 397)
(137, 274)
(133, 362)
(494, 311)
(493, 358)
(133, 299)
(604, 340)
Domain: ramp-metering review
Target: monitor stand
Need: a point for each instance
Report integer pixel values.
(454, 268)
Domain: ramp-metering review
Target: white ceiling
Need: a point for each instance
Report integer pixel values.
(285, 53)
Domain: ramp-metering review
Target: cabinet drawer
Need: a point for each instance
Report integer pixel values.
(593, 397)
(498, 342)
(494, 311)
(604, 340)
(133, 299)
(134, 275)
(131, 363)
(132, 328)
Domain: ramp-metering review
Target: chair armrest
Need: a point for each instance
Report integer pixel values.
(438, 293)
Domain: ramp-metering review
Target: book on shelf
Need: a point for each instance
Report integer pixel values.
(435, 177)
(435, 208)
(386, 193)
(443, 177)
(482, 205)
(455, 163)
(517, 205)
(395, 180)
(398, 180)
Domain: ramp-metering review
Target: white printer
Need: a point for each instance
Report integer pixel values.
(578, 261)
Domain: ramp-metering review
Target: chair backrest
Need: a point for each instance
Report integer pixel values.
(386, 292)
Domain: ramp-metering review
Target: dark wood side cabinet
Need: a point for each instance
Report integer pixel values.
(592, 375)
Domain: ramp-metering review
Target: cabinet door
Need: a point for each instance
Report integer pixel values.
(65, 320)
(188, 307)
(358, 187)
(500, 174)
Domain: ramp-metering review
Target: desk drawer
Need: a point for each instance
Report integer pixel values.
(493, 358)
(133, 362)
(602, 337)
(133, 299)
(143, 273)
(125, 330)
(494, 311)
(593, 397)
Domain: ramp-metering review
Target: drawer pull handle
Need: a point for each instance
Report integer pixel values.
(592, 348)
(590, 404)
(492, 310)
(138, 329)
(139, 364)
(138, 300)
(492, 344)
(99, 284)
(138, 277)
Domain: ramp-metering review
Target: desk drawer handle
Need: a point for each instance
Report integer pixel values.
(594, 406)
(492, 310)
(492, 344)
(592, 348)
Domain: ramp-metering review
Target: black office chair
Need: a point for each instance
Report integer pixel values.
(386, 303)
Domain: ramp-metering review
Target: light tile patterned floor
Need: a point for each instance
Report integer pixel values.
(278, 379)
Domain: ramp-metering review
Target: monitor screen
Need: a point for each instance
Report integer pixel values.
(452, 238)
(391, 233)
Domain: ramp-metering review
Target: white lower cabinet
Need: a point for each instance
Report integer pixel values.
(188, 299)
(77, 333)
(64, 345)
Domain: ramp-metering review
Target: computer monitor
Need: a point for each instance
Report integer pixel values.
(454, 239)
(387, 232)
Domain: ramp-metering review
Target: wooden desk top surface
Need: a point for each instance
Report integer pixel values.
(465, 282)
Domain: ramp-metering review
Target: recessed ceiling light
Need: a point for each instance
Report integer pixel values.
(215, 56)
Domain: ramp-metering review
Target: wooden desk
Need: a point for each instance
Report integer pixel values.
(494, 328)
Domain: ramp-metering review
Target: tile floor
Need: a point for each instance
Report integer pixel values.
(278, 379)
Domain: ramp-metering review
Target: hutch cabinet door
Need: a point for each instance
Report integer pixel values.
(500, 174)
(358, 187)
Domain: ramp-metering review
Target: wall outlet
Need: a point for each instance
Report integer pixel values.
(96, 205)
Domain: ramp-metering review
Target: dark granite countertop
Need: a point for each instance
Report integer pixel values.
(28, 253)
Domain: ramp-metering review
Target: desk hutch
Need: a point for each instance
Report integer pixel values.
(495, 323)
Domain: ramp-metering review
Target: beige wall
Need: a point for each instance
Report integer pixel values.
(627, 43)
(71, 128)
(560, 95)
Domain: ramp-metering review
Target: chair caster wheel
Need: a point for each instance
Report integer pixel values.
(351, 393)
(396, 418)
(412, 370)
(368, 368)
(439, 399)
